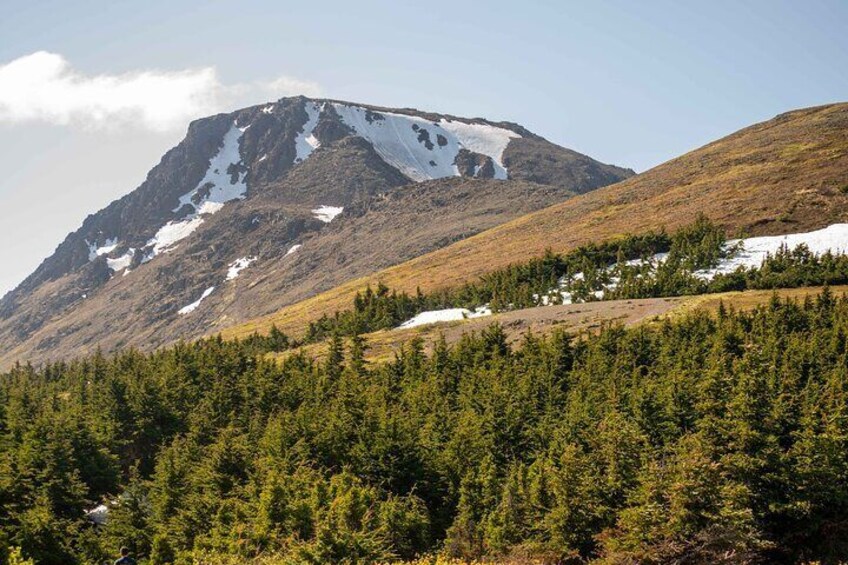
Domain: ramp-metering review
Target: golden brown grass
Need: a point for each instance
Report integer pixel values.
(749, 299)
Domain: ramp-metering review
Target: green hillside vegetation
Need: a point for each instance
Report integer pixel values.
(587, 270)
(687, 441)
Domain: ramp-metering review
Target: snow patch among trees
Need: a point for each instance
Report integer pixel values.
(446, 315)
(753, 251)
(98, 515)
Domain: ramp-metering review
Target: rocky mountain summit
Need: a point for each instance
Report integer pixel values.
(270, 204)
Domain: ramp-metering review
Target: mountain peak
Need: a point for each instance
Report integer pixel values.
(421, 145)
(249, 186)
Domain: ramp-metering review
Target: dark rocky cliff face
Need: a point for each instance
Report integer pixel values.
(534, 159)
(291, 157)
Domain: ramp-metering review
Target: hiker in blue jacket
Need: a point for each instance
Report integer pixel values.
(125, 558)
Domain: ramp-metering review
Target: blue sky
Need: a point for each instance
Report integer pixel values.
(628, 83)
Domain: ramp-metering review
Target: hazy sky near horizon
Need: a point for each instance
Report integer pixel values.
(92, 93)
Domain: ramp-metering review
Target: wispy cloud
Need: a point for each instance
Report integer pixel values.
(44, 87)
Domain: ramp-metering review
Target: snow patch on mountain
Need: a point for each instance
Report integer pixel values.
(293, 249)
(422, 149)
(193, 306)
(327, 213)
(121, 262)
(224, 180)
(237, 266)
(305, 142)
(484, 139)
(170, 234)
(95, 251)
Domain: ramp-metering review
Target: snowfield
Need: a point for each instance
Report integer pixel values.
(447, 315)
(237, 266)
(327, 213)
(423, 150)
(193, 306)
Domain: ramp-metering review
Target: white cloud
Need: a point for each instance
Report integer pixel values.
(290, 85)
(44, 87)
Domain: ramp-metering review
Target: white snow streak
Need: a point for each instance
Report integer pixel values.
(293, 249)
(305, 142)
(193, 306)
(219, 185)
(327, 213)
(171, 233)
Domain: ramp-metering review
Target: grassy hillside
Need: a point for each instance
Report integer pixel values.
(785, 175)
